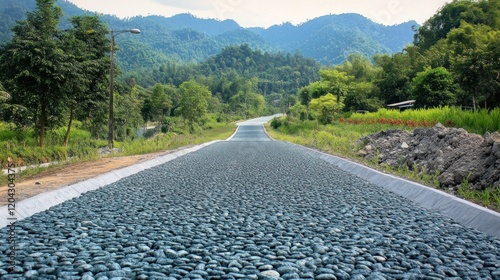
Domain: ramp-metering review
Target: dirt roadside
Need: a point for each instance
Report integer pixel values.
(58, 177)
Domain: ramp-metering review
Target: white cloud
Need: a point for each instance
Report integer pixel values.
(264, 13)
(194, 5)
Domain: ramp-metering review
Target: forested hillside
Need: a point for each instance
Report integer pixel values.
(331, 39)
(276, 72)
(184, 38)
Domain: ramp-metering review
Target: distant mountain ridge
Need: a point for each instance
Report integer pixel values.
(184, 37)
(331, 38)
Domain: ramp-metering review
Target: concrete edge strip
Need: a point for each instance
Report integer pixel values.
(41, 202)
(267, 133)
(235, 131)
(460, 210)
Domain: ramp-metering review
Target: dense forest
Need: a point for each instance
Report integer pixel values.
(276, 72)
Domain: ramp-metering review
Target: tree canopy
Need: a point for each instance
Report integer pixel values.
(35, 66)
(193, 104)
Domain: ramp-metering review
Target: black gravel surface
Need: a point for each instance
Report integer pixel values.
(246, 210)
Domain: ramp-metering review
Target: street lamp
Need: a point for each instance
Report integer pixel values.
(113, 34)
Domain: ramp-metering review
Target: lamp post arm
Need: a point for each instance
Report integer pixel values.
(116, 32)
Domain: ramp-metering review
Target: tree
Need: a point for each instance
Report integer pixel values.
(160, 104)
(362, 96)
(13, 113)
(36, 67)
(438, 55)
(482, 12)
(247, 101)
(174, 95)
(128, 111)
(250, 104)
(4, 96)
(305, 96)
(394, 80)
(358, 67)
(432, 88)
(475, 63)
(337, 81)
(438, 26)
(325, 107)
(215, 105)
(147, 112)
(298, 111)
(318, 89)
(86, 44)
(193, 103)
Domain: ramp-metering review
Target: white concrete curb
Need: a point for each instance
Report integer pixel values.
(44, 201)
(236, 131)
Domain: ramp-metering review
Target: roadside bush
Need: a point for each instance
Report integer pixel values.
(276, 123)
(149, 133)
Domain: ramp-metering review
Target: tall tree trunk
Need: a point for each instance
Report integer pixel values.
(71, 116)
(43, 117)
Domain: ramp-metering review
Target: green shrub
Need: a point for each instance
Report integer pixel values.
(276, 123)
(149, 133)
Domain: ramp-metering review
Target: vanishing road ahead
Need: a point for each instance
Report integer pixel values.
(247, 208)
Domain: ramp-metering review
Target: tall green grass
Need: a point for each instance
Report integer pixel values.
(479, 121)
(19, 146)
(490, 197)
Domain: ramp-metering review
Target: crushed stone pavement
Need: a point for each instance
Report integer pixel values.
(245, 210)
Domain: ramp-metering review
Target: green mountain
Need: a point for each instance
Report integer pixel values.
(188, 39)
(330, 39)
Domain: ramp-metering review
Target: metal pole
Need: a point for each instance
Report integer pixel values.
(111, 120)
(111, 88)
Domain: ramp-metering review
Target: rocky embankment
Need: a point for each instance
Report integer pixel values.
(456, 154)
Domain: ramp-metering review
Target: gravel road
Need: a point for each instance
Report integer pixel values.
(241, 209)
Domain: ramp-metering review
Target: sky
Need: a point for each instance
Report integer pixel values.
(264, 13)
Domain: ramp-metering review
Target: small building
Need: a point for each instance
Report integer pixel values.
(402, 105)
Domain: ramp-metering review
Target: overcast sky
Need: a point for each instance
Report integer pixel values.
(264, 13)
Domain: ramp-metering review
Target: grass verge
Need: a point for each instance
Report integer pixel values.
(490, 197)
(172, 140)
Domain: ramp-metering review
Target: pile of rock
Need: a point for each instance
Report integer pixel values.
(456, 154)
